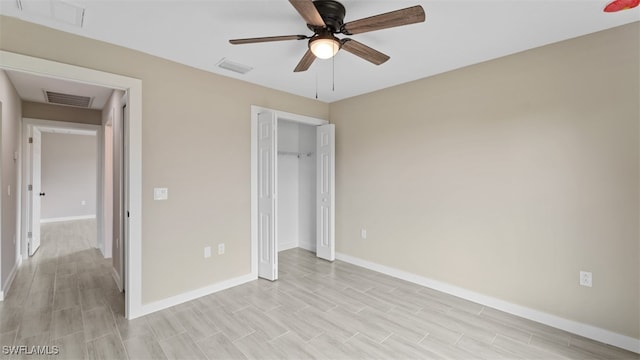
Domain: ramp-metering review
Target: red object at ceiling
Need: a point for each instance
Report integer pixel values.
(619, 5)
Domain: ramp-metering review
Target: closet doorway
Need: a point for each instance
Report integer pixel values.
(292, 187)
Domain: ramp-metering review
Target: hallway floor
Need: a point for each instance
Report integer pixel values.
(65, 296)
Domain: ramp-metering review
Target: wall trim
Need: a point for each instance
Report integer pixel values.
(308, 246)
(578, 328)
(67, 218)
(12, 275)
(195, 294)
(287, 246)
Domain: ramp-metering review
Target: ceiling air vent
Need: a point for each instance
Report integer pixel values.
(57, 10)
(233, 66)
(57, 98)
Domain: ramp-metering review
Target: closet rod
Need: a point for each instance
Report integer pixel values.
(295, 153)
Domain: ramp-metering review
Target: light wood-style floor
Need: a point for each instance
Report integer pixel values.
(65, 296)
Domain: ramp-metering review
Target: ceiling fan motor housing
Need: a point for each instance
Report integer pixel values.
(332, 12)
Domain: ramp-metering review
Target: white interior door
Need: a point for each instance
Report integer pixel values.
(325, 183)
(36, 190)
(267, 185)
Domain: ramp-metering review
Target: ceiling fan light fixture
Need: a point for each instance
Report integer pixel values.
(324, 47)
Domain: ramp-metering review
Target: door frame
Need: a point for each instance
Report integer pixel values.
(33, 184)
(133, 88)
(280, 115)
(47, 126)
(124, 188)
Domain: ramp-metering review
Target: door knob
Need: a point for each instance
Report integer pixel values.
(42, 194)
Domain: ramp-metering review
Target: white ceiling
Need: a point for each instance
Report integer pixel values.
(31, 88)
(456, 34)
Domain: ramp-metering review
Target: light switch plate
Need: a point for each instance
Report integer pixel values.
(160, 193)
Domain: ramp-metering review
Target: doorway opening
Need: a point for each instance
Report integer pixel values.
(292, 187)
(296, 192)
(61, 173)
(132, 89)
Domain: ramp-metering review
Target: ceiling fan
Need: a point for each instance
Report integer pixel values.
(326, 18)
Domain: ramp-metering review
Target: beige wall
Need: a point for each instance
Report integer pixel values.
(35, 110)
(505, 178)
(10, 130)
(196, 142)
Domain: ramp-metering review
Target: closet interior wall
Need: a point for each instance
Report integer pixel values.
(296, 200)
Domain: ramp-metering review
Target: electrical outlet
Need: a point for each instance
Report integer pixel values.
(207, 252)
(363, 233)
(220, 249)
(586, 278)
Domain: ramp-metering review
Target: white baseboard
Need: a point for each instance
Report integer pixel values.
(287, 246)
(116, 278)
(67, 218)
(588, 331)
(307, 246)
(194, 294)
(12, 275)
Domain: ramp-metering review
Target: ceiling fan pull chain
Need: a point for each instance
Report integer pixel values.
(316, 85)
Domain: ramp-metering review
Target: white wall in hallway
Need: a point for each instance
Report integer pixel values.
(68, 175)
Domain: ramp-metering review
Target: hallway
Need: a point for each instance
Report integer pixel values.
(64, 295)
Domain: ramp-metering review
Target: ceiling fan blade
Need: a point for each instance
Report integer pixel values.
(359, 49)
(267, 39)
(305, 62)
(308, 12)
(410, 15)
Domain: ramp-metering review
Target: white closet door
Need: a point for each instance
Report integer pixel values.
(36, 192)
(267, 185)
(325, 227)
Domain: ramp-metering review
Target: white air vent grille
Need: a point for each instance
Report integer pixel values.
(233, 66)
(58, 10)
(57, 98)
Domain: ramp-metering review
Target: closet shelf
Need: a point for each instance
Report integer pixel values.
(296, 154)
